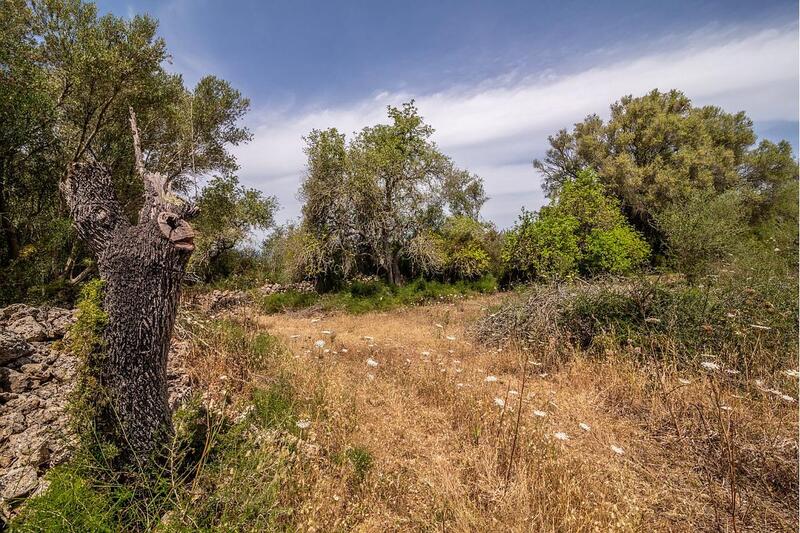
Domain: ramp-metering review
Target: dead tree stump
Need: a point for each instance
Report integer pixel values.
(142, 266)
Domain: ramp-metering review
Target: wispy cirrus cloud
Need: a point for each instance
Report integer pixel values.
(499, 126)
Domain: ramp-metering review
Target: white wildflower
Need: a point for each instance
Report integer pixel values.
(560, 435)
(617, 450)
(425, 354)
(319, 344)
(303, 424)
(490, 379)
(499, 402)
(372, 362)
(513, 393)
(371, 377)
(584, 426)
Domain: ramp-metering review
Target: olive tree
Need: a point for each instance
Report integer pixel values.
(367, 202)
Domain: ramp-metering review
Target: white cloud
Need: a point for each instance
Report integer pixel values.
(496, 129)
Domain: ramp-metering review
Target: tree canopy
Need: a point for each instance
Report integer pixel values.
(582, 231)
(658, 149)
(368, 200)
(67, 80)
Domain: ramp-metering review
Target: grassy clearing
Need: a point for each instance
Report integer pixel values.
(459, 442)
(399, 421)
(363, 297)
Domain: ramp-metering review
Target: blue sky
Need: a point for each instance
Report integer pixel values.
(494, 78)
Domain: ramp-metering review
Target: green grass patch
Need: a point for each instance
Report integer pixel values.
(363, 297)
(361, 460)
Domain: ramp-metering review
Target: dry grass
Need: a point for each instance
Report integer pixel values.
(710, 454)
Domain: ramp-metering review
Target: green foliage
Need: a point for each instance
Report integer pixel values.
(543, 247)
(681, 322)
(87, 342)
(702, 230)
(363, 297)
(71, 502)
(582, 231)
(86, 334)
(658, 149)
(248, 351)
(372, 204)
(464, 241)
(287, 301)
(274, 407)
(653, 150)
(771, 171)
(228, 213)
(68, 78)
(618, 250)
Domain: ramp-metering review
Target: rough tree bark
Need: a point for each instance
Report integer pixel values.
(142, 266)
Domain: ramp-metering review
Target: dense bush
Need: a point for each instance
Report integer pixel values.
(582, 232)
(745, 317)
(703, 229)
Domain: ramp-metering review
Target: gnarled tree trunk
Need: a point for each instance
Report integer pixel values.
(142, 266)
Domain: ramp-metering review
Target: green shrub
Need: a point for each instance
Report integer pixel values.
(745, 317)
(70, 503)
(618, 250)
(542, 247)
(702, 230)
(583, 231)
(287, 301)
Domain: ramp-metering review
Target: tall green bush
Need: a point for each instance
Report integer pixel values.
(582, 231)
(702, 230)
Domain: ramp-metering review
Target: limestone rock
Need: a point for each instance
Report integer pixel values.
(19, 482)
(12, 346)
(28, 328)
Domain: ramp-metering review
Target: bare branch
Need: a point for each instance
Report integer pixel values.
(137, 145)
